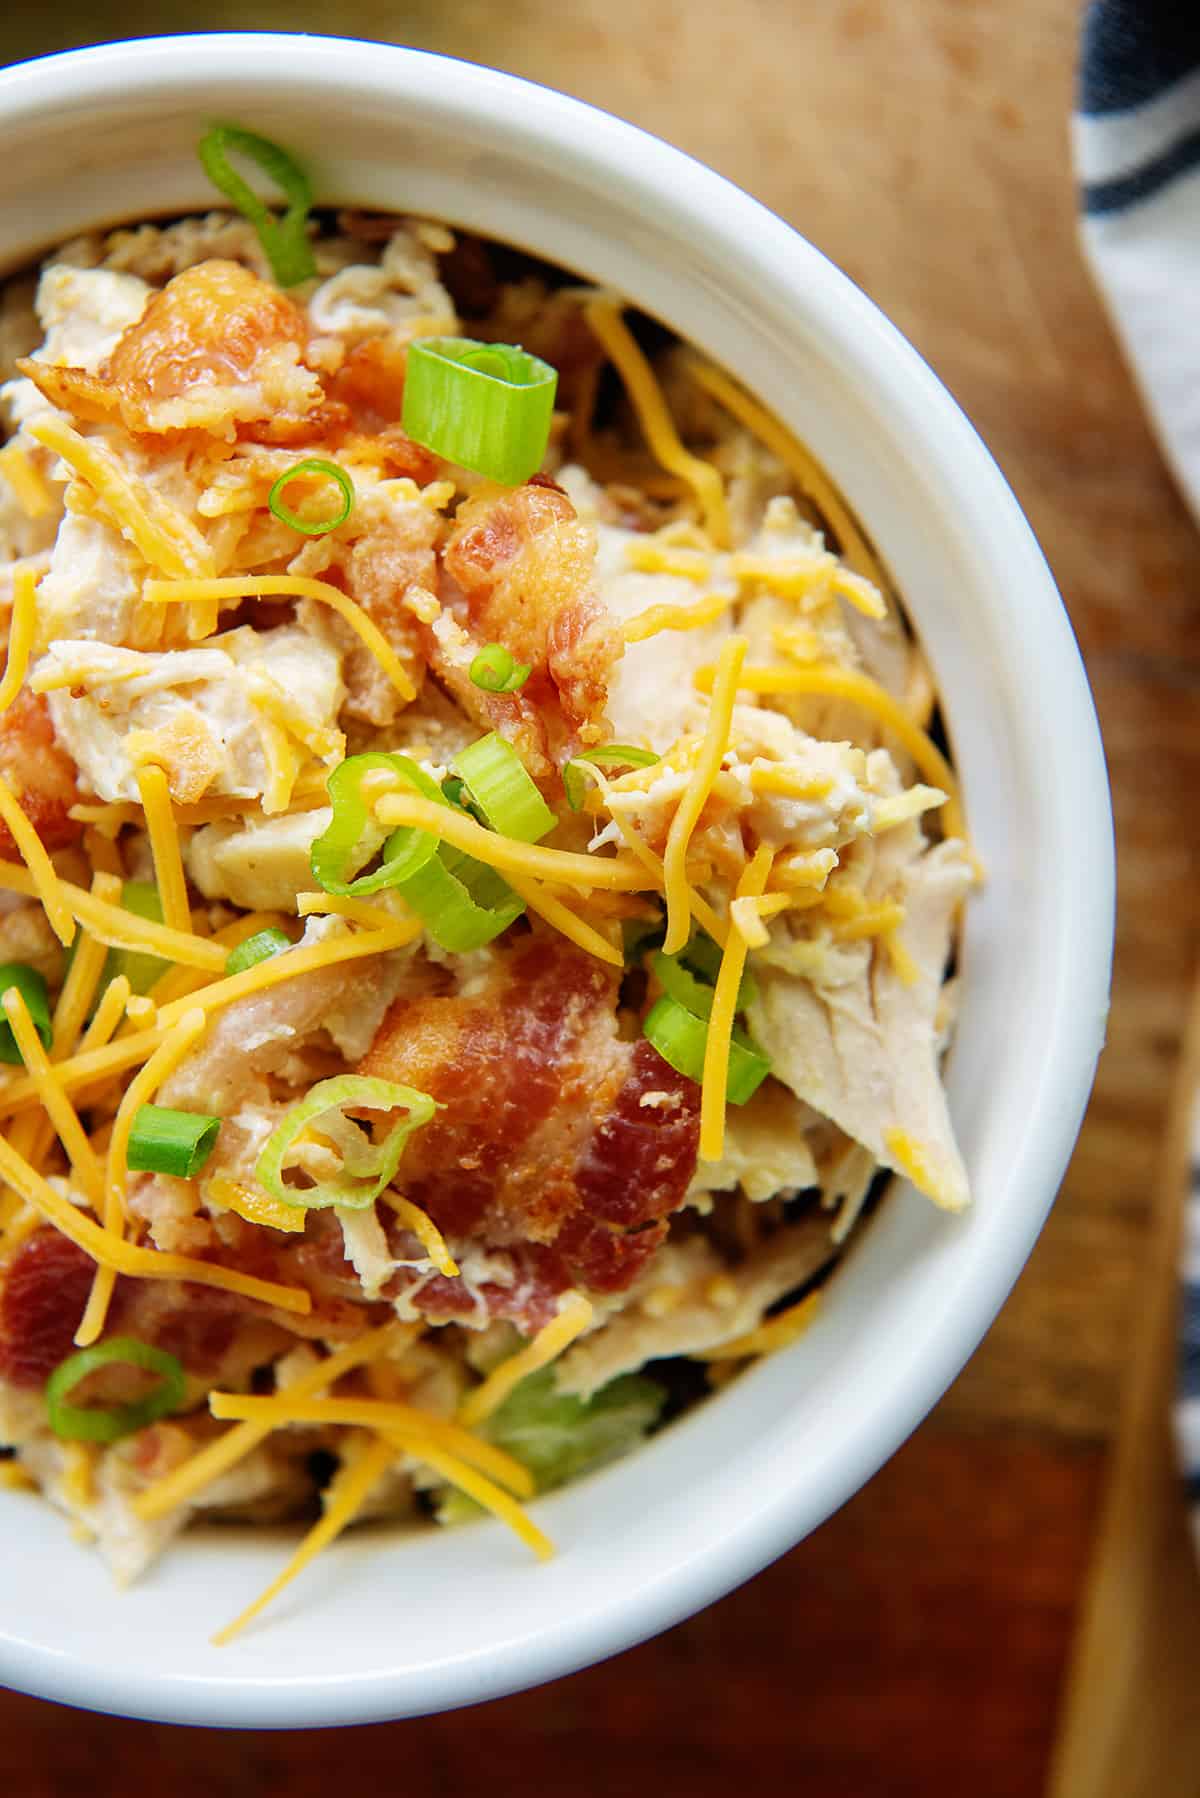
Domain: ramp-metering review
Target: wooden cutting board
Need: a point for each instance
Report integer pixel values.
(1130, 1722)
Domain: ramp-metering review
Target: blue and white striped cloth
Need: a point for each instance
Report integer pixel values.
(1137, 156)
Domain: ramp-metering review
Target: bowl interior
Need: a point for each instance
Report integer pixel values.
(388, 1625)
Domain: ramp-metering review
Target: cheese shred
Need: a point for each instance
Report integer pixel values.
(675, 618)
(365, 1464)
(141, 1089)
(687, 813)
(724, 1010)
(41, 881)
(377, 1414)
(32, 494)
(645, 395)
(767, 1338)
(291, 586)
(162, 536)
(860, 689)
(574, 1316)
(22, 628)
(126, 1258)
(163, 832)
(58, 1107)
(425, 1231)
(216, 1458)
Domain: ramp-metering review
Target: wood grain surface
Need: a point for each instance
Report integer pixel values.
(917, 1643)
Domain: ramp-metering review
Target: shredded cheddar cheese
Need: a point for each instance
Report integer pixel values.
(366, 1463)
(875, 920)
(724, 1010)
(860, 689)
(604, 318)
(769, 1337)
(291, 586)
(675, 618)
(162, 536)
(914, 1161)
(216, 1458)
(22, 628)
(59, 1108)
(903, 966)
(32, 494)
(335, 905)
(376, 1414)
(459, 1472)
(141, 1089)
(425, 1231)
(574, 1316)
(651, 556)
(164, 847)
(98, 1064)
(256, 1206)
(124, 1257)
(562, 866)
(801, 464)
(110, 923)
(565, 920)
(83, 975)
(106, 1017)
(687, 813)
(38, 876)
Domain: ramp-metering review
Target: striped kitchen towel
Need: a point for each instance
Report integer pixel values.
(1137, 156)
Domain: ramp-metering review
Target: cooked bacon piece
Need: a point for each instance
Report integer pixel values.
(517, 570)
(216, 350)
(45, 1287)
(43, 1291)
(555, 1133)
(40, 773)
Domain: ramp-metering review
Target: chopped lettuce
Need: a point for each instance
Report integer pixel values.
(558, 1436)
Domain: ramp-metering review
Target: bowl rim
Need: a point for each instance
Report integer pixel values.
(644, 163)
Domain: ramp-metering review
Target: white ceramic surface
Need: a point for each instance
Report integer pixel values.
(387, 1625)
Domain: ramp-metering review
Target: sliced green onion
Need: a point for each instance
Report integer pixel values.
(612, 755)
(312, 465)
(108, 1423)
(455, 790)
(680, 1039)
(163, 1141)
(285, 240)
(367, 1167)
(32, 987)
(495, 670)
(639, 934)
(486, 406)
(677, 979)
(141, 970)
(503, 791)
(351, 838)
(259, 947)
(462, 903)
(704, 956)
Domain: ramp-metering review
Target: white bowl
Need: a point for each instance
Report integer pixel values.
(390, 1625)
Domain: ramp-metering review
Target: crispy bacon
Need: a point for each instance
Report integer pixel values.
(217, 348)
(44, 1289)
(558, 1140)
(40, 773)
(517, 570)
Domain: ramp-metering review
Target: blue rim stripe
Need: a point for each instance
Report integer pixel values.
(1101, 197)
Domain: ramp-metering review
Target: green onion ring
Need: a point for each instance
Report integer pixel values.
(312, 465)
(88, 1423)
(285, 240)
